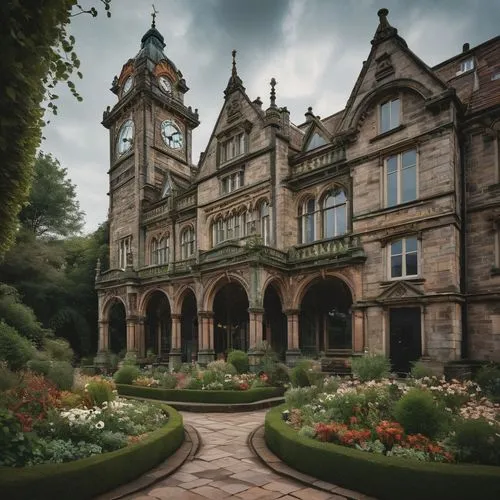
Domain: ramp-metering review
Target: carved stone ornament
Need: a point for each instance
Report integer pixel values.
(384, 66)
(234, 109)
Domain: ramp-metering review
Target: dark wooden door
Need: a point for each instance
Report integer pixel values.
(405, 338)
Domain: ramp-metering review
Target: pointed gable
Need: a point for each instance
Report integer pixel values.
(390, 65)
(400, 291)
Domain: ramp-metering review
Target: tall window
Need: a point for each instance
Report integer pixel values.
(233, 147)
(401, 178)
(153, 259)
(404, 258)
(124, 248)
(334, 214)
(187, 243)
(163, 252)
(232, 182)
(265, 227)
(231, 228)
(306, 218)
(389, 115)
(219, 232)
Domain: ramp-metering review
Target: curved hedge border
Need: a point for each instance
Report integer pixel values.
(89, 477)
(198, 396)
(376, 475)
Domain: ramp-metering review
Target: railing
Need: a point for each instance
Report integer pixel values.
(274, 254)
(152, 271)
(182, 266)
(185, 202)
(111, 275)
(156, 212)
(223, 252)
(325, 248)
(328, 158)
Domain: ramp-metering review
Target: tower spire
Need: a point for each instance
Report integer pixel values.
(384, 29)
(273, 92)
(153, 15)
(235, 81)
(234, 72)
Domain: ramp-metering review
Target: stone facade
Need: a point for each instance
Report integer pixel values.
(374, 229)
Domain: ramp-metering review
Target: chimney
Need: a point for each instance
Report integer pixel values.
(466, 47)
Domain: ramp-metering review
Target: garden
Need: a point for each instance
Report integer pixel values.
(387, 426)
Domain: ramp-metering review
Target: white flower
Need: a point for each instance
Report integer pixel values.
(99, 425)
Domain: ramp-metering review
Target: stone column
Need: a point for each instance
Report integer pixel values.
(256, 316)
(175, 355)
(140, 333)
(206, 337)
(103, 345)
(293, 351)
(358, 330)
(134, 344)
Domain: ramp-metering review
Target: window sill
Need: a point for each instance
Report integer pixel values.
(388, 133)
(417, 280)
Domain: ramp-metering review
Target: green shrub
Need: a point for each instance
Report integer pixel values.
(239, 359)
(279, 375)
(488, 378)
(307, 431)
(477, 441)
(59, 349)
(15, 350)
(8, 379)
(418, 413)
(100, 391)
(299, 374)
(221, 367)
(41, 366)
(420, 370)
(194, 383)
(130, 359)
(370, 367)
(126, 374)
(61, 374)
(168, 381)
(297, 397)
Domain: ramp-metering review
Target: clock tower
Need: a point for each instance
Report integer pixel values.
(150, 131)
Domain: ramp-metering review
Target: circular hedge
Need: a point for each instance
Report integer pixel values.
(200, 396)
(383, 477)
(89, 477)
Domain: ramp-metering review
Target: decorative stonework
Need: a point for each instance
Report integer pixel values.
(384, 66)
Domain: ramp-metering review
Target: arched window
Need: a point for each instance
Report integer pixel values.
(187, 243)
(218, 231)
(306, 221)
(153, 258)
(164, 250)
(265, 228)
(334, 214)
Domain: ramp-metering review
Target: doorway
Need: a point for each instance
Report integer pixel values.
(405, 338)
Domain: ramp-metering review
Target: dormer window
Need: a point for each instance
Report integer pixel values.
(465, 66)
(232, 148)
(389, 115)
(315, 142)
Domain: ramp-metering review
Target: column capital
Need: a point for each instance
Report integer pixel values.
(205, 314)
(176, 316)
(256, 310)
(103, 322)
(291, 312)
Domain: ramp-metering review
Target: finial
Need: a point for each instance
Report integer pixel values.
(273, 92)
(234, 72)
(153, 15)
(382, 14)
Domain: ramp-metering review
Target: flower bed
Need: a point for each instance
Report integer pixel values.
(384, 477)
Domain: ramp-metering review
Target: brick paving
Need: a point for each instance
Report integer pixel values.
(225, 467)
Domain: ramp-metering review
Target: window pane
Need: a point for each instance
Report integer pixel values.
(392, 189)
(411, 264)
(392, 164)
(328, 223)
(409, 184)
(409, 158)
(310, 206)
(329, 201)
(340, 198)
(411, 244)
(385, 123)
(341, 220)
(395, 113)
(397, 247)
(309, 228)
(396, 266)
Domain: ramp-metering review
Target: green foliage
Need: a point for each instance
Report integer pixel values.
(239, 359)
(126, 374)
(371, 367)
(299, 374)
(477, 441)
(59, 349)
(297, 397)
(18, 315)
(15, 445)
(307, 431)
(40, 366)
(130, 359)
(61, 374)
(221, 367)
(99, 392)
(168, 381)
(15, 350)
(8, 379)
(418, 413)
(58, 451)
(488, 378)
(420, 370)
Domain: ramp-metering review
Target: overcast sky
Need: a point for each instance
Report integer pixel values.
(314, 49)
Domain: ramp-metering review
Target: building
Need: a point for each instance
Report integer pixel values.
(375, 228)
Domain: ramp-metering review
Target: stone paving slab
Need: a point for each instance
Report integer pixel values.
(226, 467)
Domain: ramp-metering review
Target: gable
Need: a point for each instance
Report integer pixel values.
(400, 291)
(315, 141)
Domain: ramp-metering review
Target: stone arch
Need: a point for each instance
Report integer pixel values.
(302, 198)
(180, 296)
(332, 186)
(143, 302)
(109, 303)
(274, 321)
(306, 284)
(216, 284)
(407, 84)
(281, 288)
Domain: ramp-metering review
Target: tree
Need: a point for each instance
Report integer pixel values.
(52, 208)
(37, 53)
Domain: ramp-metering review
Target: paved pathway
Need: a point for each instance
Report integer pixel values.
(226, 468)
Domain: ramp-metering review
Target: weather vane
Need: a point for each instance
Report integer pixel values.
(153, 15)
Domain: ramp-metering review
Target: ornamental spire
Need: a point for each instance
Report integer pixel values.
(153, 15)
(273, 92)
(384, 29)
(235, 81)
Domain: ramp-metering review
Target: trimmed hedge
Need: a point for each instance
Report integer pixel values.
(199, 396)
(84, 479)
(386, 478)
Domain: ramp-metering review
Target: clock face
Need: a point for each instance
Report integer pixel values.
(165, 84)
(125, 137)
(128, 84)
(171, 135)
